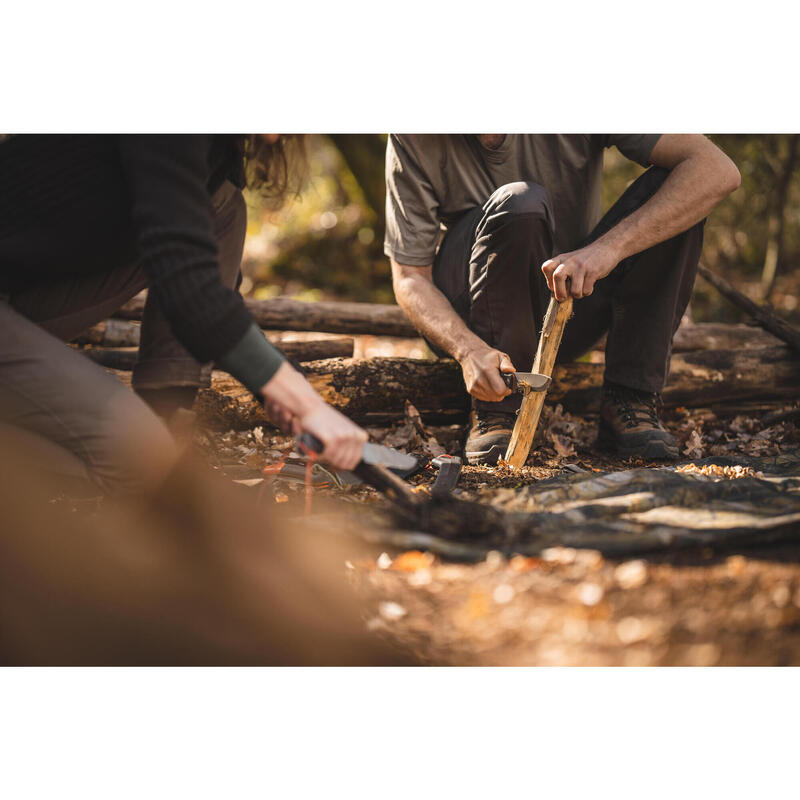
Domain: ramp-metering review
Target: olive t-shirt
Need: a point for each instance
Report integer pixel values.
(431, 179)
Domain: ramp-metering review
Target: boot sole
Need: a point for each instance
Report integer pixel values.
(489, 457)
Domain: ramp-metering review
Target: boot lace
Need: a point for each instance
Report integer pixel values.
(634, 407)
(493, 419)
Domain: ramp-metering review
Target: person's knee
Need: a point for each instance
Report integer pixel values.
(522, 198)
(135, 450)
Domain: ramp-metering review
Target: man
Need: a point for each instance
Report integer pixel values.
(522, 219)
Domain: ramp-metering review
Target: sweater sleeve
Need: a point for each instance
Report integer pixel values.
(170, 207)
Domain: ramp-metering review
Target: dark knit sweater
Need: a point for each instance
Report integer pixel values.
(82, 203)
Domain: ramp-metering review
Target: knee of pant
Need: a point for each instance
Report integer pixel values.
(134, 451)
(522, 197)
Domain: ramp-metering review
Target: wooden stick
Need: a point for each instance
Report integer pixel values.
(531, 407)
(768, 320)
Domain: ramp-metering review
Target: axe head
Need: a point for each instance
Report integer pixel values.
(526, 381)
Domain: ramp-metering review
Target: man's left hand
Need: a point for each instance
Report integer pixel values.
(583, 268)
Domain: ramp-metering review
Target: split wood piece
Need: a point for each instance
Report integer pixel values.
(124, 358)
(284, 314)
(532, 402)
(766, 318)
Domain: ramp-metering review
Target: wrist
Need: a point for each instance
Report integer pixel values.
(291, 390)
(612, 246)
(469, 349)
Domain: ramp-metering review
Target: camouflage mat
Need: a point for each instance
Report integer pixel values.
(628, 513)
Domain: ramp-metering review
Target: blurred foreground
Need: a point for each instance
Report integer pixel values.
(197, 574)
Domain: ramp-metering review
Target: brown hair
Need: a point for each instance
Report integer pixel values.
(276, 170)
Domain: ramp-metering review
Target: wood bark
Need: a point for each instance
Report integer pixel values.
(284, 314)
(766, 318)
(373, 391)
(123, 358)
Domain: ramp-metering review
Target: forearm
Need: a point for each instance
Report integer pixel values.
(700, 176)
(692, 189)
(431, 312)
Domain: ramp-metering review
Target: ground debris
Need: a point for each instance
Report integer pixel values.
(691, 608)
(717, 471)
(607, 613)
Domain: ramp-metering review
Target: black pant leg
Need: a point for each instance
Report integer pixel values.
(641, 302)
(489, 267)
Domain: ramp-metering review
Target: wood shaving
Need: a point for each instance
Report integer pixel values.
(716, 471)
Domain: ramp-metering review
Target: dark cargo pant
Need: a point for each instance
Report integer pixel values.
(489, 267)
(69, 412)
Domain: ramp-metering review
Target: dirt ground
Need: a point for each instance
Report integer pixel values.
(566, 607)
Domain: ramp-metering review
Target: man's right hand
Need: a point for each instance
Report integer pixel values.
(437, 321)
(481, 368)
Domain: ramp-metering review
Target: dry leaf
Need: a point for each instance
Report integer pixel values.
(563, 446)
(694, 445)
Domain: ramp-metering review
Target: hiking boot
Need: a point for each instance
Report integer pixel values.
(630, 424)
(489, 435)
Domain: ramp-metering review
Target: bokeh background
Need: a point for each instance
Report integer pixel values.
(328, 243)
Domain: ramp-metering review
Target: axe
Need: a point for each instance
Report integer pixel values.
(533, 398)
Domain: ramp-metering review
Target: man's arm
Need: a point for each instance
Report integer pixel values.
(433, 316)
(701, 175)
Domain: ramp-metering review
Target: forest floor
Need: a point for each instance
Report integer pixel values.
(566, 606)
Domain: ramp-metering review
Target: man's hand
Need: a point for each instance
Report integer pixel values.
(481, 368)
(582, 268)
(292, 403)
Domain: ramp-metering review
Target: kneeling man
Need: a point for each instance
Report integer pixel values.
(521, 215)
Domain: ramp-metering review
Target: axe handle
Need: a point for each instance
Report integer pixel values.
(532, 402)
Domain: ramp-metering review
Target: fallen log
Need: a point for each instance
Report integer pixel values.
(374, 391)
(284, 314)
(769, 320)
(721, 336)
(388, 320)
(124, 358)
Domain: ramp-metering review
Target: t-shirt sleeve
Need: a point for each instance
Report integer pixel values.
(177, 249)
(412, 210)
(635, 146)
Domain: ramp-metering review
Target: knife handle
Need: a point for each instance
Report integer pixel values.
(310, 443)
(510, 380)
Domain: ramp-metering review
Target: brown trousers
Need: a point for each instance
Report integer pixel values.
(489, 267)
